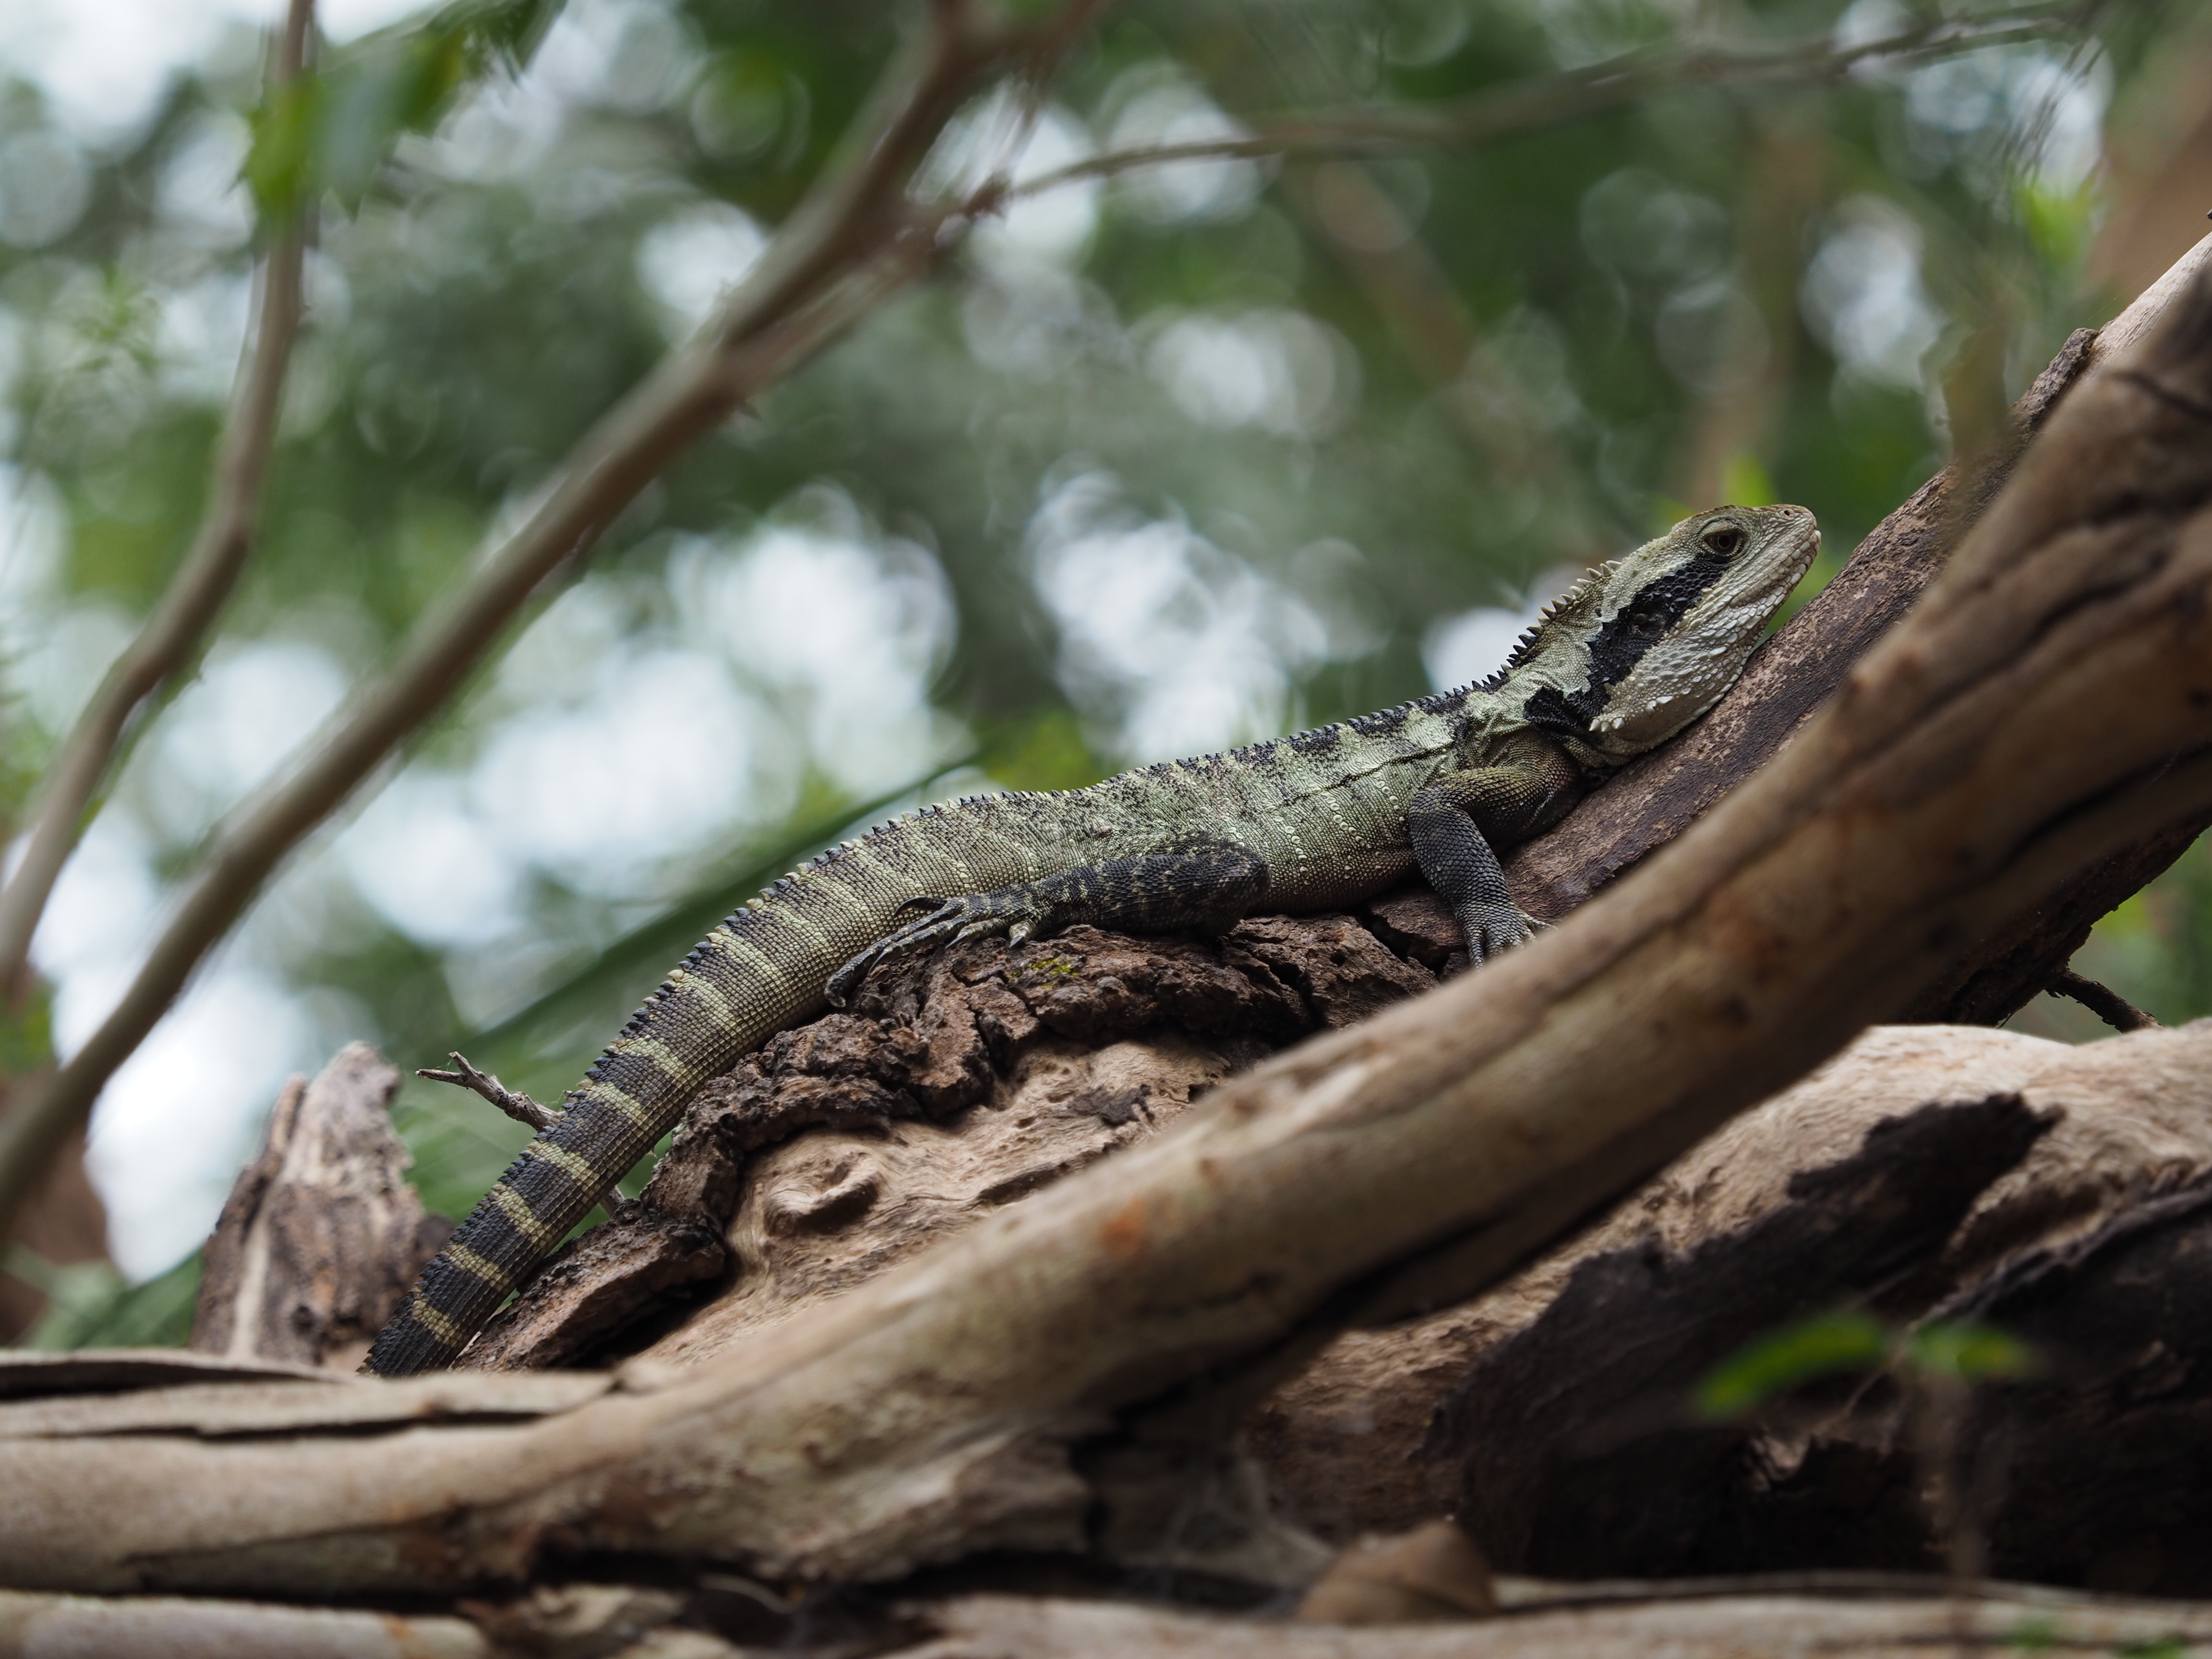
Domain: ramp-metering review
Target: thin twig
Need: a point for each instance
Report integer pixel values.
(516, 1104)
(210, 569)
(2108, 1005)
(851, 242)
(1529, 105)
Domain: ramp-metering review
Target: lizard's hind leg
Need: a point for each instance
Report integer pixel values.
(1194, 881)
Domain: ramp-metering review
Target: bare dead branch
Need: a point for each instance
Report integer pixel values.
(516, 1105)
(321, 1235)
(2108, 1005)
(852, 241)
(189, 605)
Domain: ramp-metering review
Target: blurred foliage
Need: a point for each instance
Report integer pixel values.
(1774, 1363)
(333, 128)
(90, 1305)
(1164, 464)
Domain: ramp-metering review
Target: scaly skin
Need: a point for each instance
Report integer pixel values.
(1321, 819)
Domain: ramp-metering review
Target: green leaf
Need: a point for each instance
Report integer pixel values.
(1775, 1363)
(280, 166)
(334, 128)
(1969, 1352)
(391, 87)
(502, 34)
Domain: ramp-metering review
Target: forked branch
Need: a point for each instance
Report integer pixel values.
(189, 605)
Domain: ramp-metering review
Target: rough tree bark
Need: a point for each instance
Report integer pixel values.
(321, 1235)
(2051, 694)
(1660, 794)
(649, 1264)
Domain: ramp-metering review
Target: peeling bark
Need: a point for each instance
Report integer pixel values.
(321, 1236)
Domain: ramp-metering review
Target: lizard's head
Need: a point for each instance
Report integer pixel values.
(1645, 645)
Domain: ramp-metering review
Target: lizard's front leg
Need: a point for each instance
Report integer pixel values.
(1458, 820)
(1193, 881)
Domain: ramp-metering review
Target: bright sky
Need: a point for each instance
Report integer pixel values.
(104, 62)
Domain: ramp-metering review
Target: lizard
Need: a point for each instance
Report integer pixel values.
(1625, 660)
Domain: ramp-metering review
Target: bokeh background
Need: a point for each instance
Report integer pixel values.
(1151, 466)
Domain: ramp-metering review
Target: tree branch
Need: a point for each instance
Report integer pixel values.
(189, 605)
(2051, 692)
(2108, 1005)
(853, 241)
(1541, 101)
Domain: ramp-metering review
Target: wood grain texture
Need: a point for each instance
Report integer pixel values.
(321, 1235)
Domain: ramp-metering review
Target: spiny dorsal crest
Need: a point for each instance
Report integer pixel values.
(1576, 600)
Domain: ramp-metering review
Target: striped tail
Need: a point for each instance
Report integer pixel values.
(757, 971)
(761, 970)
(631, 1097)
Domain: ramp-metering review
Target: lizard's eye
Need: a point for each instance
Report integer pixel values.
(1725, 539)
(1645, 624)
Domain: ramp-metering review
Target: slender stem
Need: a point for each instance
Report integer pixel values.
(855, 240)
(189, 605)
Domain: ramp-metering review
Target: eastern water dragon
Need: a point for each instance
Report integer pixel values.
(1632, 653)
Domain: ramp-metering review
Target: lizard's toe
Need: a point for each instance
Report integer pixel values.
(970, 916)
(1490, 932)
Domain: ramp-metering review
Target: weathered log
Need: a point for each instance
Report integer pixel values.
(645, 1267)
(1347, 1443)
(1577, 1449)
(1869, 1626)
(2049, 696)
(321, 1236)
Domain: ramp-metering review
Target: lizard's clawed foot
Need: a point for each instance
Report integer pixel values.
(1495, 928)
(1009, 910)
